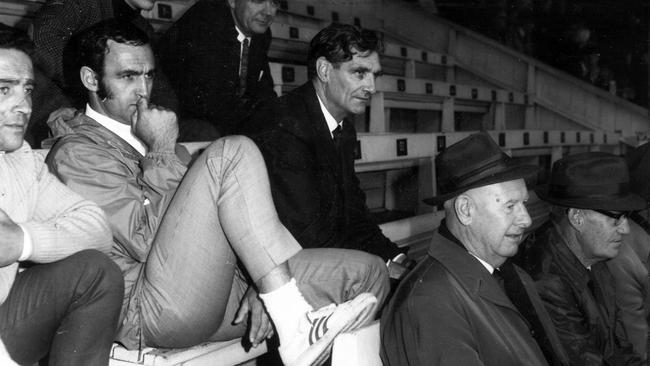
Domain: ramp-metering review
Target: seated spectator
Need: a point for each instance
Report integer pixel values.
(46, 96)
(216, 58)
(308, 144)
(180, 233)
(56, 25)
(65, 304)
(567, 255)
(465, 304)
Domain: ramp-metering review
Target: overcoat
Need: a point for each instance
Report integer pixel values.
(450, 311)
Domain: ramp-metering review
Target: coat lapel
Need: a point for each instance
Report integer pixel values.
(469, 272)
(325, 149)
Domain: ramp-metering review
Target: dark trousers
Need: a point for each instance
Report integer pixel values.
(68, 309)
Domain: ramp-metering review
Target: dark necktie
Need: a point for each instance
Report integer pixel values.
(498, 276)
(337, 135)
(243, 67)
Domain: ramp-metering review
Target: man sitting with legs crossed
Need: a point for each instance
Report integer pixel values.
(186, 239)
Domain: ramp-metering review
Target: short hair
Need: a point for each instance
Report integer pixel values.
(92, 42)
(15, 39)
(339, 43)
(89, 48)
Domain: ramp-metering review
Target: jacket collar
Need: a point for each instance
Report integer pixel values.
(67, 121)
(317, 120)
(565, 258)
(471, 274)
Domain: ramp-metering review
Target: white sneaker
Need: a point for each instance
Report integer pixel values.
(321, 327)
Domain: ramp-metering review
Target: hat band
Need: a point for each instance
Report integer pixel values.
(601, 191)
(481, 173)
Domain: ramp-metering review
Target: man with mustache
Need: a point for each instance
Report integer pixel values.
(592, 200)
(465, 303)
(216, 58)
(308, 145)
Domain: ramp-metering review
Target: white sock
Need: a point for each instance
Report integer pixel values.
(288, 308)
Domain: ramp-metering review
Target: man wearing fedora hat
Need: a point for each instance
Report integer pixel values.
(464, 304)
(591, 201)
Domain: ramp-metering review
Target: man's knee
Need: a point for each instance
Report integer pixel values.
(371, 272)
(96, 272)
(234, 145)
(378, 279)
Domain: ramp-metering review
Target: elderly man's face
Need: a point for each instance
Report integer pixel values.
(16, 85)
(128, 76)
(349, 87)
(254, 16)
(499, 218)
(601, 238)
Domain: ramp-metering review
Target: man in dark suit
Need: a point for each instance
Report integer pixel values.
(567, 257)
(204, 55)
(465, 304)
(308, 146)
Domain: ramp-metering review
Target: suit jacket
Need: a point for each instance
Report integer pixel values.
(630, 271)
(449, 310)
(200, 55)
(315, 189)
(580, 302)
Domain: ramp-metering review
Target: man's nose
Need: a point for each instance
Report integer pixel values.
(523, 219)
(271, 8)
(24, 104)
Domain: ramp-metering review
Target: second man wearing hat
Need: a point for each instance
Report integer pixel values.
(588, 221)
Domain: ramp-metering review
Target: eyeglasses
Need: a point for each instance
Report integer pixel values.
(618, 216)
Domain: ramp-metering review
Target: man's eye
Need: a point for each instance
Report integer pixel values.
(29, 90)
(4, 90)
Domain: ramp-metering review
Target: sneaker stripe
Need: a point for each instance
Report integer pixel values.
(318, 329)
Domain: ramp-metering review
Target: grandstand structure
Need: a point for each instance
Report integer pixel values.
(441, 82)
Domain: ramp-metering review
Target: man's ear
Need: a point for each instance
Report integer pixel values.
(323, 68)
(89, 78)
(463, 209)
(576, 218)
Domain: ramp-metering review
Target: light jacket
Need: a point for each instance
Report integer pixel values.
(133, 190)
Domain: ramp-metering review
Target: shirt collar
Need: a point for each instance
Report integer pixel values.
(444, 231)
(120, 129)
(332, 124)
(241, 36)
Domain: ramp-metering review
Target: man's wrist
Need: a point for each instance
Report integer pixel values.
(28, 246)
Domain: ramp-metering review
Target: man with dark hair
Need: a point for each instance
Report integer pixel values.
(308, 146)
(216, 58)
(591, 198)
(180, 233)
(65, 304)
